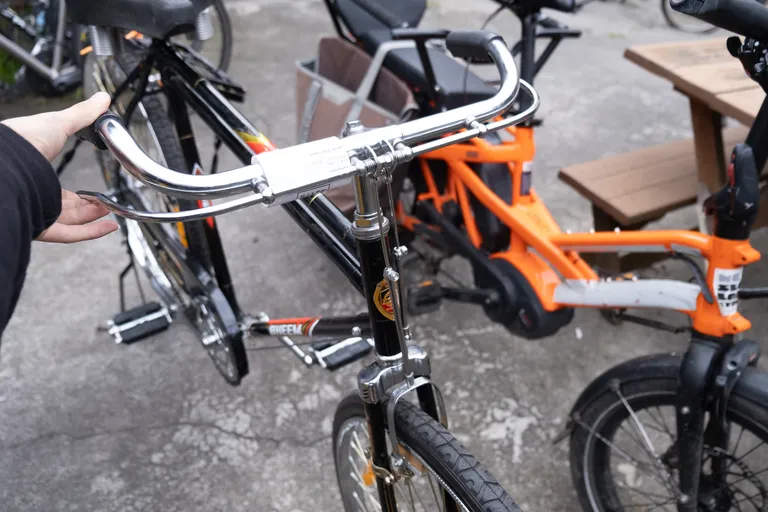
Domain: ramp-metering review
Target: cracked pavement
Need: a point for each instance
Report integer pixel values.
(91, 426)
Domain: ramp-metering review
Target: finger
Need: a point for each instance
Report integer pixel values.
(64, 234)
(74, 214)
(84, 113)
(71, 200)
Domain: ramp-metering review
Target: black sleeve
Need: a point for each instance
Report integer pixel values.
(30, 201)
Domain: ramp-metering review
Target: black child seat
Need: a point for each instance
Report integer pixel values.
(158, 19)
(405, 63)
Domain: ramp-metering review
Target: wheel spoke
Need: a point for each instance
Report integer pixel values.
(749, 498)
(360, 503)
(405, 499)
(644, 493)
(666, 477)
(634, 438)
(751, 474)
(639, 465)
(411, 491)
(738, 440)
(639, 425)
(358, 447)
(434, 493)
(744, 456)
(369, 496)
(661, 505)
(665, 426)
(356, 471)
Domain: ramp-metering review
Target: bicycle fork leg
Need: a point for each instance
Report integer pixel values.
(377, 425)
(694, 385)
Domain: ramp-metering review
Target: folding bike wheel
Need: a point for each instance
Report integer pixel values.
(623, 447)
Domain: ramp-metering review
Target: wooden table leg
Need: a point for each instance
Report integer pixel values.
(710, 158)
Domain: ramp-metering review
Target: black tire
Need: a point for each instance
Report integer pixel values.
(643, 386)
(194, 232)
(448, 459)
(170, 146)
(225, 29)
(673, 18)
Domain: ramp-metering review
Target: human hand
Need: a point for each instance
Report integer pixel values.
(48, 132)
(73, 223)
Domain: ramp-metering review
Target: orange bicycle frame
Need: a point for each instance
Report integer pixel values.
(549, 259)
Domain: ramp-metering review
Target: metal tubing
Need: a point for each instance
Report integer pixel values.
(27, 58)
(61, 23)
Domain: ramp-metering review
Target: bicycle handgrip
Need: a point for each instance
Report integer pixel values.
(471, 45)
(91, 132)
(381, 13)
(748, 18)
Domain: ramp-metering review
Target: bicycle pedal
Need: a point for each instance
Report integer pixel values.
(139, 323)
(424, 298)
(333, 356)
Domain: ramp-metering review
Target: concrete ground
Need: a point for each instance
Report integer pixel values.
(91, 426)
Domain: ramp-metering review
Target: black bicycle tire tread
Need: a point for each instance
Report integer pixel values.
(174, 158)
(441, 451)
(194, 231)
(227, 38)
(738, 407)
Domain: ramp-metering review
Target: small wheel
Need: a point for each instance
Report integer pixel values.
(441, 464)
(623, 453)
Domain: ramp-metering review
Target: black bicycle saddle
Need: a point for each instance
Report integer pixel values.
(158, 19)
(535, 5)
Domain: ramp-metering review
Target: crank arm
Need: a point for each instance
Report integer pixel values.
(182, 216)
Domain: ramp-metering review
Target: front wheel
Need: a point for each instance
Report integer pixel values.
(623, 448)
(441, 463)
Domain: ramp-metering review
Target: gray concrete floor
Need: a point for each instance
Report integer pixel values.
(91, 426)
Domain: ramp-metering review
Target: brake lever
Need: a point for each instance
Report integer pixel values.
(88, 134)
(181, 216)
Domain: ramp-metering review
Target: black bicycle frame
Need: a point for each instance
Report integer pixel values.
(362, 262)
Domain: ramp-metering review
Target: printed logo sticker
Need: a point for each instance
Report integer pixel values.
(727, 289)
(382, 297)
(297, 327)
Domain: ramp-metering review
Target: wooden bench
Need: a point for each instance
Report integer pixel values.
(629, 190)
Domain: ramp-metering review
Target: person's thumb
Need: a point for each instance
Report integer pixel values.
(84, 113)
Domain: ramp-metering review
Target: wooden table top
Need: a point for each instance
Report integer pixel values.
(703, 70)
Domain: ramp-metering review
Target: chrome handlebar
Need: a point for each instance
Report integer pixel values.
(303, 170)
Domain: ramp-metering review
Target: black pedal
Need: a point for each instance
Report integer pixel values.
(332, 357)
(139, 323)
(425, 298)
